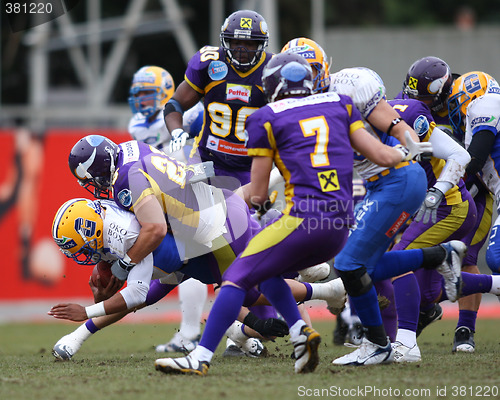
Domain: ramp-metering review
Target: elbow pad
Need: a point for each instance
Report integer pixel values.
(135, 293)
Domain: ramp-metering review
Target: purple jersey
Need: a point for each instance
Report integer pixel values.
(309, 141)
(418, 115)
(142, 170)
(230, 96)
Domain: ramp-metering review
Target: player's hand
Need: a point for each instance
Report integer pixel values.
(261, 209)
(101, 292)
(178, 140)
(73, 312)
(418, 151)
(428, 209)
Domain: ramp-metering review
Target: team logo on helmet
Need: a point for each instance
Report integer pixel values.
(246, 23)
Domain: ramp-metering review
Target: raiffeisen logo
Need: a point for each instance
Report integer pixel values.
(238, 92)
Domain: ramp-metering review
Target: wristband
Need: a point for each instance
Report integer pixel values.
(394, 122)
(95, 310)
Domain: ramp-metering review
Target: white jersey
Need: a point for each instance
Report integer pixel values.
(484, 113)
(366, 89)
(156, 134)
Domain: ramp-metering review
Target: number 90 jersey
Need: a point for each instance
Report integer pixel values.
(230, 96)
(309, 141)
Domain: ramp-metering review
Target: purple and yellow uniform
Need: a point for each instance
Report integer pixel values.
(308, 140)
(198, 214)
(230, 96)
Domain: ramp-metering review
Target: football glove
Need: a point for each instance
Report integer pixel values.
(178, 140)
(270, 327)
(414, 151)
(428, 209)
(121, 268)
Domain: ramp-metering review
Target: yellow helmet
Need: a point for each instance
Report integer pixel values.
(78, 230)
(465, 89)
(159, 86)
(316, 56)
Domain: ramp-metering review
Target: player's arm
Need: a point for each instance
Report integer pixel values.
(457, 159)
(479, 149)
(183, 99)
(154, 227)
(261, 169)
(387, 119)
(383, 155)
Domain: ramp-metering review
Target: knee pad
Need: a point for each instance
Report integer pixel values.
(356, 282)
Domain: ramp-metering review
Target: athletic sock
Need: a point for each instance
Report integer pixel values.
(407, 294)
(224, 312)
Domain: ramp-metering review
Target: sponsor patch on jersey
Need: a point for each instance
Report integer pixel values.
(130, 151)
(223, 146)
(481, 121)
(65, 243)
(421, 125)
(238, 92)
(125, 197)
(217, 70)
(329, 180)
(493, 89)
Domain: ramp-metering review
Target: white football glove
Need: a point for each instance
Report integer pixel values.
(418, 150)
(178, 141)
(428, 209)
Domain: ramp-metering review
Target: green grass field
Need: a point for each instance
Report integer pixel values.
(118, 363)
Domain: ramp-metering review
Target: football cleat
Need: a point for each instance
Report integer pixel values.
(355, 334)
(428, 317)
(451, 268)
(178, 344)
(252, 347)
(183, 365)
(306, 350)
(66, 348)
(368, 353)
(314, 273)
(463, 340)
(404, 353)
(340, 331)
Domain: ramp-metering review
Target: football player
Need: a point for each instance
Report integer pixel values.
(429, 80)
(228, 78)
(150, 90)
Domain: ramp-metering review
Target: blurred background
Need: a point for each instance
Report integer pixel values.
(67, 74)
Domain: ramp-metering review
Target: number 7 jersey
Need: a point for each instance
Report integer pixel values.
(230, 96)
(309, 141)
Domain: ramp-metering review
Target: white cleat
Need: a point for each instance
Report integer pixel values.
(178, 344)
(66, 348)
(183, 365)
(305, 348)
(337, 296)
(451, 268)
(252, 347)
(314, 273)
(368, 353)
(404, 353)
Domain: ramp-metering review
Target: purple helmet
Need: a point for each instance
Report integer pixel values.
(429, 78)
(287, 74)
(92, 161)
(244, 25)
